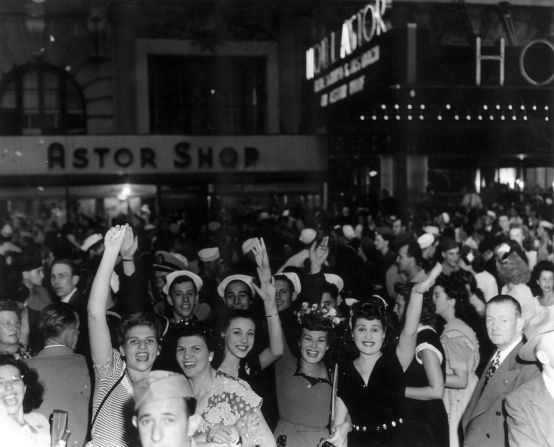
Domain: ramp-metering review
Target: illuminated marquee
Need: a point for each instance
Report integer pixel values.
(357, 31)
(337, 64)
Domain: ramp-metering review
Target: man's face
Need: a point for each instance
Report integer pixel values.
(452, 257)
(397, 227)
(504, 326)
(283, 295)
(163, 423)
(62, 280)
(183, 299)
(10, 328)
(380, 243)
(237, 295)
(504, 223)
(404, 261)
(34, 276)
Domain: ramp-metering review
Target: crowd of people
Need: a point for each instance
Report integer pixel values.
(280, 328)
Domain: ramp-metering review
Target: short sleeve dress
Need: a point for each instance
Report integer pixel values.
(462, 353)
(376, 407)
(426, 422)
(230, 399)
(304, 404)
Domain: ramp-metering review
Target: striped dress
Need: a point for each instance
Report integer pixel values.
(113, 426)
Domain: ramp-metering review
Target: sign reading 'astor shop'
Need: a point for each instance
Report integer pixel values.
(135, 154)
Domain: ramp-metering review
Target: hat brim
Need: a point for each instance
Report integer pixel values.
(171, 277)
(229, 279)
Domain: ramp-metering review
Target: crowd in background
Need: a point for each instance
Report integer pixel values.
(292, 326)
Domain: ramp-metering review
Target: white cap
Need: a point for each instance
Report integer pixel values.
(7, 231)
(294, 279)
(348, 232)
(431, 229)
(307, 236)
(425, 240)
(174, 275)
(225, 282)
(91, 240)
(247, 245)
(546, 224)
(491, 214)
(445, 217)
(209, 254)
(336, 280)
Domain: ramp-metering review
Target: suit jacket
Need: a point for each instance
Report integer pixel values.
(530, 415)
(67, 386)
(79, 302)
(484, 421)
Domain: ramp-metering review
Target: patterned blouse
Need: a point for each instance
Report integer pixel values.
(230, 399)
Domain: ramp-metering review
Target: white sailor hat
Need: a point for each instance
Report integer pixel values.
(225, 282)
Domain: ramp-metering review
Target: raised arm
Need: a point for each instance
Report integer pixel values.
(407, 342)
(267, 294)
(99, 333)
(128, 249)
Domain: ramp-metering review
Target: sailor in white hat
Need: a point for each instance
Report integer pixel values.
(237, 291)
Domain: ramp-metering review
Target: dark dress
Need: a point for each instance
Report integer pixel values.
(425, 421)
(375, 408)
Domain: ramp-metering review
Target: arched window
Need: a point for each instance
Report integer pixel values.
(40, 99)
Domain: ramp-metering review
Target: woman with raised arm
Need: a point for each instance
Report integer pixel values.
(372, 386)
(239, 328)
(116, 371)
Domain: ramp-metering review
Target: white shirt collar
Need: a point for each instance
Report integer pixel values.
(506, 351)
(66, 298)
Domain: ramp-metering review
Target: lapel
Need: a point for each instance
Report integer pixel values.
(500, 384)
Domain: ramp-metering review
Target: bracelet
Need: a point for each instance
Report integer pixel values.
(272, 315)
(123, 259)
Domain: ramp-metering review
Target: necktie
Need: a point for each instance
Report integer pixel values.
(494, 366)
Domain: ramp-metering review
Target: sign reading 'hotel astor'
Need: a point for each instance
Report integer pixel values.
(337, 63)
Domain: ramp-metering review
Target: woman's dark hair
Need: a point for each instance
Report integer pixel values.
(374, 309)
(232, 314)
(10, 306)
(543, 266)
(192, 329)
(34, 391)
(455, 288)
(137, 319)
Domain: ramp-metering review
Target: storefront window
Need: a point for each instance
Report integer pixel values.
(207, 95)
(41, 100)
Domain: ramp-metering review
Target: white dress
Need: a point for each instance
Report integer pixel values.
(34, 433)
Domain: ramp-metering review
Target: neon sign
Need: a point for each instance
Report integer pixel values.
(356, 32)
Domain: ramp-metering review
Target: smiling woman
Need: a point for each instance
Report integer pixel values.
(229, 409)
(20, 393)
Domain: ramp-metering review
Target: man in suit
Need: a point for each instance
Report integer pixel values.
(64, 280)
(483, 423)
(530, 408)
(64, 373)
